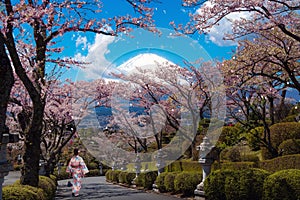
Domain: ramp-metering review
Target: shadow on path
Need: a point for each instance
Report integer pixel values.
(98, 188)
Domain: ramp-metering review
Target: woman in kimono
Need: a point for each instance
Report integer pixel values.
(78, 169)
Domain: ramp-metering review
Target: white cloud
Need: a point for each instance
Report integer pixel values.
(96, 57)
(81, 41)
(217, 32)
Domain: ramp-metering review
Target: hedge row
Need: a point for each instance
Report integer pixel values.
(282, 185)
(179, 166)
(289, 147)
(253, 184)
(178, 182)
(279, 133)
(144, 180)
(45, 190)
(234, 165)
(272, 165)
(281, 163)
(174, 182)
(228, 184)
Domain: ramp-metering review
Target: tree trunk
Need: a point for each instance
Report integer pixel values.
(6, 84)
(30, 172)
(50, 164)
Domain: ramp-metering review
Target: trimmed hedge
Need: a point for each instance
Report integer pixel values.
(284, 131)
(45, 190)
(235, 185)
(169, 181)
(21, 192)
(289, 147)
(92, 165)
(281, 163)
(126, 177)
(228, 137)
(232, 154)
(179, 166)
(112, 175)
(146, 179)
(238, 165)
(186, 182)
(245, 184)
(160, 181)
(282, 185)
(214, 184)
(48, 185)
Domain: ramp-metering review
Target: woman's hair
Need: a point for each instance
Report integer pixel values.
(76, 151)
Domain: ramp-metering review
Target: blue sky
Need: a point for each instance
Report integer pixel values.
(106, 51)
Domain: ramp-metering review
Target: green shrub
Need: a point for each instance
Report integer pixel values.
(233, 154)
(290, 118)
(253, 138)
(169, 181)
(229, 136)
(284, 131)
(115, 176)
(112, 175)
(146, 179)
(245, 184)
(265, 153)
(235, 184)
(289, 147)
(48, 185)
(108, 175)
(281, 163)
(282, 185)
(214, 184)
(92, 165)
(238, 165)
(129, 177)
(54, 178)
(186, 182)
(250, 158)
(21, 192)
(122, 177)
(93, 172)
(160, 181)
(179, 166)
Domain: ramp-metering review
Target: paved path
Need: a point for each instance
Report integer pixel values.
(11, 177)
(95, 188)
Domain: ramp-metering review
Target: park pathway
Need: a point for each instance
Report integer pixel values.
(97, 188)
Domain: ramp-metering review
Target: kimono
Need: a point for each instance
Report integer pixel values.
(78, 169)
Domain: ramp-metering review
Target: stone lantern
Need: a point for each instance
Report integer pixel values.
(160, 161)
(137, 167)
(206, 159)
(114, 166)
(123, 165)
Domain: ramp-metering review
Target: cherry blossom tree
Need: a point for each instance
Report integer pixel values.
(58, 125)
(263, 15)
(253, 102)
(173, 91)
(66, 107)
(273, 55)
(30, 32)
